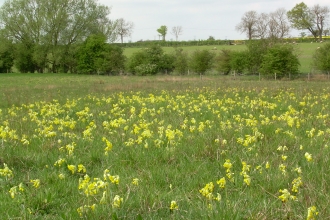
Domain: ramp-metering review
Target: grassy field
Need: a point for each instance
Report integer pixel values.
(305, 51)
(163, 147)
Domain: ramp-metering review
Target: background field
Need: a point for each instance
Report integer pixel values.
(305, 51)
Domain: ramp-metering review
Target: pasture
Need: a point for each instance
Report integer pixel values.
(163, 147)
(304, 50)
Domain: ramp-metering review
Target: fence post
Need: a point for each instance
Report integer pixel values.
(275, 76)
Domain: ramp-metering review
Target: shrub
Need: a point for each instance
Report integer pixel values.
(321, 58)
(201, 61)
(280, 59)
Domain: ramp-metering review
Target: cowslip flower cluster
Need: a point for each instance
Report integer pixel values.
(174, 205)
(286, 195)
(312, 213)
(228, 165)
(6, 172)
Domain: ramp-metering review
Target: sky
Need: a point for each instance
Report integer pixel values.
(199, 19)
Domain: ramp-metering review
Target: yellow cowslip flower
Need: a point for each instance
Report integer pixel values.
(218, 198)
(222, 182)
(308, 157)
(6, 171)
(282, 167)
(13, 191)
(135, 181)
(174, 205)
(284, 157)
(59, 162)
(108, 147)
(103, 199)
(36, 183)
(207, 190)
(114, 179)
(296, 183)
(61, 176)
(117, 201)
(81, 168)
(247, 179)
(298, 169)
(72, 168)
(312, 213)
(286, 195)
(227, 165)
(267, 165)
(20, 187)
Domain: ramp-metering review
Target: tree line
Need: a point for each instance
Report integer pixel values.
(46, 35)
(277, 24)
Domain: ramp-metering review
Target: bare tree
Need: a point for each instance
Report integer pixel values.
(248, 24)
(124, 28)
(262, 26)
(176, 31)
(278, 24)
(320, 15)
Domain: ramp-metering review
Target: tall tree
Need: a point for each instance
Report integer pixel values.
(162, 31)
(124, 28)
(301, 18)
(278, 24)
(53, 24)
(320, 15)
(176, 31)
(248, 24)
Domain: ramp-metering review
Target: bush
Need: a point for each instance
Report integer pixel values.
(321, 58)
(201, 61)
(180, 61)
(222, 61)
(150, 61)
(280, 59)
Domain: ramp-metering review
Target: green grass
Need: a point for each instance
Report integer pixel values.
(305, 51)
(174, 135)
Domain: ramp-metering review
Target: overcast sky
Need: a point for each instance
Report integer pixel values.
(199, 18)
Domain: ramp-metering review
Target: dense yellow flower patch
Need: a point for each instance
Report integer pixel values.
(264, 143)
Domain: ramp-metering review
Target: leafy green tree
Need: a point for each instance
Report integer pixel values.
(162, 31)
(222, 61)
(51, 27)
(280, 59)
(301, 18)
(201, 61)
(181, 61)
(321, 58)
(90, 53)
(24, 61)
(6, 55)
(256, 49)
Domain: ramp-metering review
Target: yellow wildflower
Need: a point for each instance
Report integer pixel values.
(72, 168)
(36, 183)
(222, 182)
(117, 202)
(135, 181)
(312, 213)
(308, 157)
(174, 205)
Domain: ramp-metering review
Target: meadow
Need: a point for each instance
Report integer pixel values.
(305, 52)
(163, 147)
